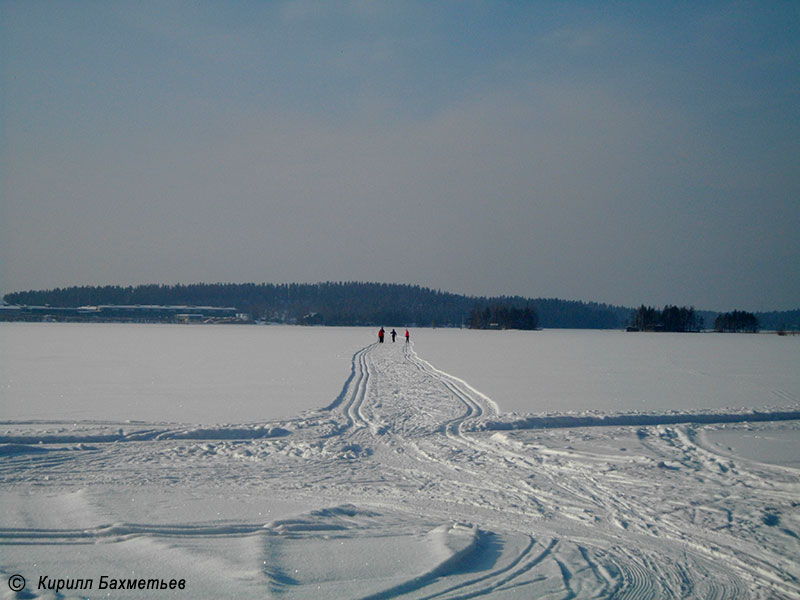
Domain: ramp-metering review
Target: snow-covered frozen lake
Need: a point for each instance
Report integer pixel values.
(313, 462)
(179, 373)
(564, 369)
(242, 374)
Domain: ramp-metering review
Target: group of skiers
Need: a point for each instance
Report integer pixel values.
(393, 333)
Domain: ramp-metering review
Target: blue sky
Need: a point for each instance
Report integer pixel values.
(616, 152)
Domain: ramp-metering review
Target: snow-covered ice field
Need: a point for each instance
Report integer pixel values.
(170, 372)
(257, 462)
(563, 369)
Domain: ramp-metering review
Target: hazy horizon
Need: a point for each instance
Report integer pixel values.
(624, 154)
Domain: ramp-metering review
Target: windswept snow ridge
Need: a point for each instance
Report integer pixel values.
(586, 419)
(410, 484)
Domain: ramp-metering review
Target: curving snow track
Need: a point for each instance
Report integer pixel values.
(405, 496)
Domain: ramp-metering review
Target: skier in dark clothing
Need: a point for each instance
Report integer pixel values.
(380, 335)
(394, 335)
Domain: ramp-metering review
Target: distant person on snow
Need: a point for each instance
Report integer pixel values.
(394, 335)
(380, 335)
(408, 336)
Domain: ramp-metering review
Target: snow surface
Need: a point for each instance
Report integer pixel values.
(560, 370)
(410, 483)
(225, 373)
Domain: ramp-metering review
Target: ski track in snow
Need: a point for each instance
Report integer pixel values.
(419, 489)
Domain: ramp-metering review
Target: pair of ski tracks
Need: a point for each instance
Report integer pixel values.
(351, 400)
(354, 395)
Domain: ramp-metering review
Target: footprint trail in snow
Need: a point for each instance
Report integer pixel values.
(398, 490)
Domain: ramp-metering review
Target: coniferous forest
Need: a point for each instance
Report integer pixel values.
(340, 303)
(361, 303)
(502, 316)
(672, 318)
(737, 321)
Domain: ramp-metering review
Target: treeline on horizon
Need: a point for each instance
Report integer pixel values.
(363, 303)
(336, 303)
(687, 319)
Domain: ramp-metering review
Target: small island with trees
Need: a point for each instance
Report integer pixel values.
(672, 318)
(736, 321)
(683, 319)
